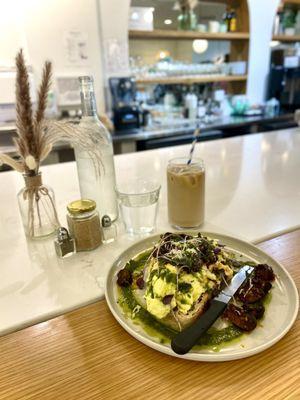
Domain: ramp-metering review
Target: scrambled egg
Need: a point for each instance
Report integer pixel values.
(157, 308)
(190, 294)
(161, 283)
(227, 270)
(184, 290)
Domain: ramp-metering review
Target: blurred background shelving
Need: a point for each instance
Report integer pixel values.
(166, 41)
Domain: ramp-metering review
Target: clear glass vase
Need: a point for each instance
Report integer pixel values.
(37, 207)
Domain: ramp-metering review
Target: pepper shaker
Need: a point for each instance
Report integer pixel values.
(64, 244)
(109, 230)
(84, 224)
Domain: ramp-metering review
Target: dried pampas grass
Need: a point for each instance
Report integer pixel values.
(25, 141)
(36, 136)
(81, 137)
(32, 143)
(16, 165)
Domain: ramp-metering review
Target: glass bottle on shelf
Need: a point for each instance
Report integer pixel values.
(187, 20)
(227, 19)
(233, 21)
(99, 187)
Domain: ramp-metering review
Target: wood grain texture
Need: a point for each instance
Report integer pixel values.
(85, 354)
(186, 35)
(287, 2)
(189, 80)
(286, 38)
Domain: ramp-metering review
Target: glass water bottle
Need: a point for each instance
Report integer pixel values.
(99, 187)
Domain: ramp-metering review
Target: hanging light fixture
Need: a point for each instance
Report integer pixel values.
(200, 46)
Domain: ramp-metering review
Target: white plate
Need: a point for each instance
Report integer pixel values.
(279, 317)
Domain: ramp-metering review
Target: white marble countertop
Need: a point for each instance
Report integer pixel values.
(252, 191)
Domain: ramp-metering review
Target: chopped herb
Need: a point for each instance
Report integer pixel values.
(171, 278)
(183, 301)
(184, 287)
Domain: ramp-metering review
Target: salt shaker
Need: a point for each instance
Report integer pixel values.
(64, 244)
(109, 230)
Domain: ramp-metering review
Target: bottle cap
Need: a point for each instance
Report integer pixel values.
(82, 206)
(62, 234)
(106, 221)
(86, 79)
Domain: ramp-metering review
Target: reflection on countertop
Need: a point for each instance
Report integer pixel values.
(280, 158)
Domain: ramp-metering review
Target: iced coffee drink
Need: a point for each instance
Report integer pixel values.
(186, 193)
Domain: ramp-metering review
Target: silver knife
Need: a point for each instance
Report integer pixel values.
(185, 340)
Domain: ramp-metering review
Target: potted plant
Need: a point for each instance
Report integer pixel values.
(289, 21)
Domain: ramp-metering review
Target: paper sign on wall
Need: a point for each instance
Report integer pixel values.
(76, 48)
(116, 57)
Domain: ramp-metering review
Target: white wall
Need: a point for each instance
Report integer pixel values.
(113, 22)
(12, 35)
(262, 14)
(40, 26)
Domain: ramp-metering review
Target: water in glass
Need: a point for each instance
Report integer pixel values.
(138, 205)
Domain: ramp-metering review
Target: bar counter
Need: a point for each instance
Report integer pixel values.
(252, 192)
(87, 355)
(132, 139)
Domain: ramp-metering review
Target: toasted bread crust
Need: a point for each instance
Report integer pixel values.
(179, 321)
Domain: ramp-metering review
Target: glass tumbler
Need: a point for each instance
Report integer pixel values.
(186, 192)
(138, 201)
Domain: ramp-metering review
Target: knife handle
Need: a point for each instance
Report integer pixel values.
(185, 340)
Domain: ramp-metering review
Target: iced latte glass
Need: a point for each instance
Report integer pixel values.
(186, 193)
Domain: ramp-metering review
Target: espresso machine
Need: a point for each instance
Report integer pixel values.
(284, 80)
(127, 114)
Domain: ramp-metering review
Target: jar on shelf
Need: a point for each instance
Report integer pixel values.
(84, 224)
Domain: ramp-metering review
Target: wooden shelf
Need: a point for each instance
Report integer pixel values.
(186, 35)
(189, 80)
(286, 38)
(291, 2)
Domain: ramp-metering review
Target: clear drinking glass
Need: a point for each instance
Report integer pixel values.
(138, 201)
(186, 192)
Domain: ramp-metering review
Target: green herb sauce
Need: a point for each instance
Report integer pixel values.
(212, 339)
(155, 328)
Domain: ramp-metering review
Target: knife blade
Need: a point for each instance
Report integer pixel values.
(185, 340)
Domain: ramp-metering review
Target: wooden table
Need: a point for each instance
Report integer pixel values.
(85, 354)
